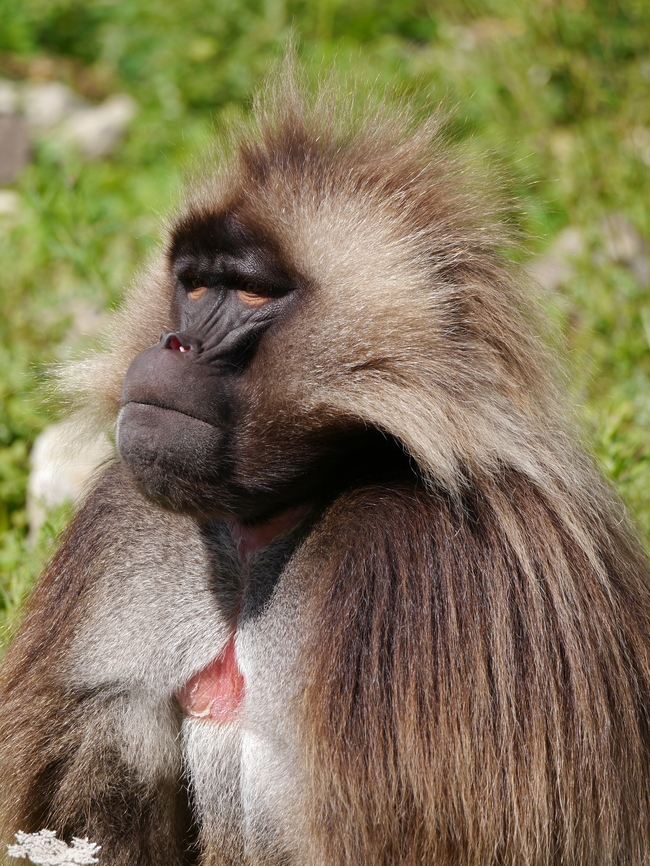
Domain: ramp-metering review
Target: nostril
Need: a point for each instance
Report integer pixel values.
(172, 342)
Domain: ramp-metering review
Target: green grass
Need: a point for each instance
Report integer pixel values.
(557, 94)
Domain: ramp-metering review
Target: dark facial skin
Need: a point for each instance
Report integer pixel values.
(183, 400)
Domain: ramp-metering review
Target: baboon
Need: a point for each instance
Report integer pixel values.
(351, 593)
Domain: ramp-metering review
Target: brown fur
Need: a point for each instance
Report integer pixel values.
(60, 760)
(473, 702)
(476, 659)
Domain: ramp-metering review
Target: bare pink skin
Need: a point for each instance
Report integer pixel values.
(217, 692)
(251, 538)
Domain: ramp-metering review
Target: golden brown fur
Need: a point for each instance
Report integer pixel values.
(475, 663)
(484, 715)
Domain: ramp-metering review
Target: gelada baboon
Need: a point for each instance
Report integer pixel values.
(351, 594)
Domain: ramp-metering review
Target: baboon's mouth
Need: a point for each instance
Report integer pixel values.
(146, 431)
(161, 407)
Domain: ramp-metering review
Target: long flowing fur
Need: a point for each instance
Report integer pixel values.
(479, 690)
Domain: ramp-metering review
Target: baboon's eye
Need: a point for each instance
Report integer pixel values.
(197, 293)
(249, 292)
(254, 295)
(196, 285)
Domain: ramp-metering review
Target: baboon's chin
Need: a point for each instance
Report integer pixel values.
(172, 456)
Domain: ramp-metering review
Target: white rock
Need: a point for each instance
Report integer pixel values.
(622, 242)
(556, 268)
(8, 97)
(9, 203)
(14, 147)
(46, 105)
(63, 462)
(97, 131)
(44, 849)
(569, 243)
(550, 272)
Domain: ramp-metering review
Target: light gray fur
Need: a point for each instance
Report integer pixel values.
(271, 776)
(245, 776)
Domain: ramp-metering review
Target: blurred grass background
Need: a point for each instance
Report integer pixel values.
(556, 91)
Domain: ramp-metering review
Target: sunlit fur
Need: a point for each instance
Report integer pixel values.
(469, 663)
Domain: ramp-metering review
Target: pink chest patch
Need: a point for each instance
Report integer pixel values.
(215, 693)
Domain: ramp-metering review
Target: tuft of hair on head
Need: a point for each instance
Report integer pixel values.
(362, 192)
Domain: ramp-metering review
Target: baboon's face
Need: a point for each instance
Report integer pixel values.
(201, 426)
